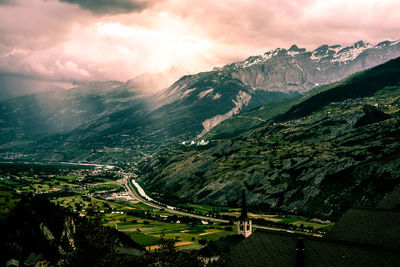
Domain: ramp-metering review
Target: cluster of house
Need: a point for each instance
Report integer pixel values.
(120, 196)
(193, 143)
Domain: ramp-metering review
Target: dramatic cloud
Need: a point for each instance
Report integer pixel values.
(5, 2)
(309, 23)
(107, 6)
(68, 40)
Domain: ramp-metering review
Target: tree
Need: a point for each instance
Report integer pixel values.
(167, 255)
(203, 242)
(78, 206)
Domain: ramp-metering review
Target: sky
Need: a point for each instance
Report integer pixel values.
(61, 41)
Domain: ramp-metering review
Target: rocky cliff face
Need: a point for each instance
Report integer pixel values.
(242, 99)
(299, 70)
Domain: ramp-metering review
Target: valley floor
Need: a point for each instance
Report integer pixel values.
(105, 190)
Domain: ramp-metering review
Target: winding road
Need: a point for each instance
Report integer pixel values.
(133, 192)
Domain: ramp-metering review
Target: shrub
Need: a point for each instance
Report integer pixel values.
(203, 242)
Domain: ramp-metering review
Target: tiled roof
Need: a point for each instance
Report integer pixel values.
(331, 253)
(267, 248)
(362, 237)
(379, 228)
(263, 247)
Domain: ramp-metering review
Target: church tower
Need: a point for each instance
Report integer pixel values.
(244, 225)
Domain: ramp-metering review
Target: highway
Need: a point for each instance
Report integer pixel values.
(132, 191)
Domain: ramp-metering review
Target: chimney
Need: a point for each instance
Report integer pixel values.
(300, 252)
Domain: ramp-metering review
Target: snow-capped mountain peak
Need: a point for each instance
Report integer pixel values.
(296, 69)
(351, 52)
(324, 53)
(387, 43)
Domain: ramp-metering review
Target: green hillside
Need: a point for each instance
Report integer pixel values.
(363, 84)
(357, 85)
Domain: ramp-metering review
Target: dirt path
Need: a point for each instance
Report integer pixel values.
(268, 217)
(129, 208)
(213, 232)
(177, 244)
(135, 229)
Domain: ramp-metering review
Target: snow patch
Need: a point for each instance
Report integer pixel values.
(242, 99)
(204, 93)
(349, 53)
(261, 59)
(395, 42)
(315, 58)
(176, 88)
(336, 48)
(216, 96)
(338, 54)
(252, 61)
(186, 93)
(324, 51)
(293, 53)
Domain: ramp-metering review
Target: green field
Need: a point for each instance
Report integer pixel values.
(298, 221)
(143, 239)
(148, 234)
(67, 178)
(203, 208)
(147, 231)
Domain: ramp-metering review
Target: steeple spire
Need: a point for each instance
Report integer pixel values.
(244, 224)
(243, 215)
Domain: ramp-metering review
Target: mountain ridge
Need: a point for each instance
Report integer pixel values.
(307, 69)
(125, 119)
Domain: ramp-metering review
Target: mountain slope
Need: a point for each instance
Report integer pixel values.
(195, 104)
(34, 116)
(343, 154)
(184, 114)
(362, 85)
(97, 118)
(245, 121)
(357, 85)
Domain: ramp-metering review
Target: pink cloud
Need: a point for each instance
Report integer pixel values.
(65, 41)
